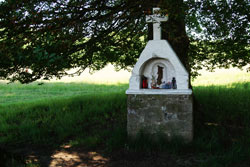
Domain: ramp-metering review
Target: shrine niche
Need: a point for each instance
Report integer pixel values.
(158, 73)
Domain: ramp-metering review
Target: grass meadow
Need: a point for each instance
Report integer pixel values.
(84, 115)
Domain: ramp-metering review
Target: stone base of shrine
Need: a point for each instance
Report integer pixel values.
(168, 114)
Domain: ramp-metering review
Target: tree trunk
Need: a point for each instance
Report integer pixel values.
(175, 32)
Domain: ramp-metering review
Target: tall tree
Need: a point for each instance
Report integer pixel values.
(48, 37)
(219, 32)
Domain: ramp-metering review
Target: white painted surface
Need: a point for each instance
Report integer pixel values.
(156, 19)
(159, 52)
(160, 91)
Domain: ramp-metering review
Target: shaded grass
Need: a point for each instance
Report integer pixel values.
(54, 122)
(225, 105)
(222, 123)
(98, 119)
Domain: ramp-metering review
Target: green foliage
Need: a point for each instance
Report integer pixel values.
(219, 34)
(50, 37)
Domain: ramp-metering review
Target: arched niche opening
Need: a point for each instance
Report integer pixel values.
(157, 73)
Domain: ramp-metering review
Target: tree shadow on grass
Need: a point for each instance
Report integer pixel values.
(70, 157)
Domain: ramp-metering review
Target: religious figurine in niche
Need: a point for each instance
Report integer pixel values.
(144, 82)
(153, 83)
(160, 75)
(174, 85)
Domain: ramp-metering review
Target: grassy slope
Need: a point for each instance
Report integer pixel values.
(50, 115)
(16, 93)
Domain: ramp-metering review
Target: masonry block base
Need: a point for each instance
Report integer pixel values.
(171, 115)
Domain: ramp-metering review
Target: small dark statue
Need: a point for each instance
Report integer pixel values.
(174, 85)
(160, 75)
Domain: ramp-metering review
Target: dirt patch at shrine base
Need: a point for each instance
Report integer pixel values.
(79, 157)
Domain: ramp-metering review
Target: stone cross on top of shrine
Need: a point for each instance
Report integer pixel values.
(156, 19)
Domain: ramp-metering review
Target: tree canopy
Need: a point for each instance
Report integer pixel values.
(41, 39)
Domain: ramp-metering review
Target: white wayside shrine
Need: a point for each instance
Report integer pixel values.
(159, 98)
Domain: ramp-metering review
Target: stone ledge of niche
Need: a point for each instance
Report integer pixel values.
(160, 91)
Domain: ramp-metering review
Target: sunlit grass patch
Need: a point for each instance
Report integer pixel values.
(221, 77)
(18, 93)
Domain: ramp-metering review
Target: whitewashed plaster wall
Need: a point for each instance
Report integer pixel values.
(159, 52)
